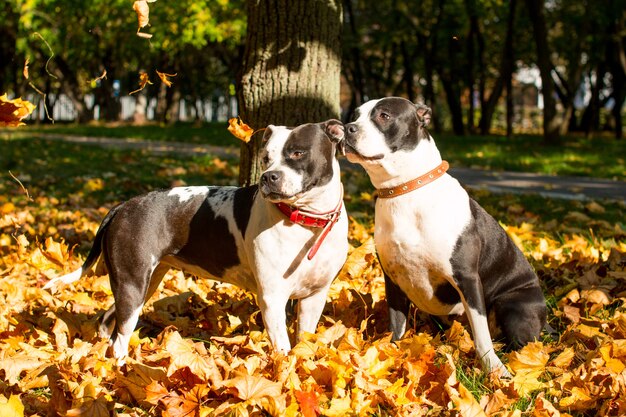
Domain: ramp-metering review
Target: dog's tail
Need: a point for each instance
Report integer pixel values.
(92, 257)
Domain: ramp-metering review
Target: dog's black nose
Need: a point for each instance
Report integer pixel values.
(352, 128)
(271, 177)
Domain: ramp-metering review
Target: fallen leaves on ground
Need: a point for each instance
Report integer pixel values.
(201, 348)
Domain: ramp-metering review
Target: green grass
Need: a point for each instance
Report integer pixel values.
(70, 171)
(205, 133)
(598, 157)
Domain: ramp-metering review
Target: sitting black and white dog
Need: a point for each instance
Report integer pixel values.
(286, 238)
(438, 248)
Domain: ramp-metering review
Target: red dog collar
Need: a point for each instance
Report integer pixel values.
(311, 219)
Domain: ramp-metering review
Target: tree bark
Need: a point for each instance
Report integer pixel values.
(291, 69)
(550, 119)
(509, 59)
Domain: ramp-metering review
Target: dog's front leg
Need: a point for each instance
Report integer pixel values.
(398, 304)
(275, 319)
(310, 310)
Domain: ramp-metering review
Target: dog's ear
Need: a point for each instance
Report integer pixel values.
(267, 134)
(334, 130)
(424, 114)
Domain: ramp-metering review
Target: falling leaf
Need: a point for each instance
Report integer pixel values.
(143, 16)
(143, 81)
(25, 71)
(13, 111)
(164, 78)
(94, 82)
(239, 129)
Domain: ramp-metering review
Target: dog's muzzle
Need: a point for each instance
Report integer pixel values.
(272, 183)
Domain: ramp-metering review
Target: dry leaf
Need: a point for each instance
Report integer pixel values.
(309, 403)
(143, 81)
(94, 82)
(13, 111)
(253, 388)
(143, 15)
(239, 129)
(25, 70)
(164, 78)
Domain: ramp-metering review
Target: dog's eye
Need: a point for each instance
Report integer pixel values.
(297, 154)
(384, 116)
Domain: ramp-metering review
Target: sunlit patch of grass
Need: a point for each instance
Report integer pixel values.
(576, 156)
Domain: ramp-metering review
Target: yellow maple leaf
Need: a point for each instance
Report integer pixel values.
(578, 399)
(564, 358)
(360, 259)
(253, 388)
(531, 358)
(11, 407)
(615, 365)
(184, 354)
(13, 111)
(529, 364)
(239, 129)
(339, 407)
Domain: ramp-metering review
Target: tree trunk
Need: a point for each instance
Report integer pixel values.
(591, 116)
(358, 83)
(454, 103)
(618, 70)
(408, 75)
(550, 119)
(507, 65)
(471, 54)
(291, 69)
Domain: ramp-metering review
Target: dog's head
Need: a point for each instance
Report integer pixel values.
(297, 160)
(385, 126)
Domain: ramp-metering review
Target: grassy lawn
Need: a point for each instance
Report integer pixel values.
(598, 157)
(69, 172)
(206, 133)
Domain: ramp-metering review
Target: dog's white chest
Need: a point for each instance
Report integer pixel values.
(415, 237)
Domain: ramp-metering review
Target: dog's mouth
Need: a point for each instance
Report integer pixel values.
(349, 152)
(273, 195)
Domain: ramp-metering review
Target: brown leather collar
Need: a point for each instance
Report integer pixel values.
(412, 185)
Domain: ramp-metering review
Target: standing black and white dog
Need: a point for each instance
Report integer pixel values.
(283, 239)
(438, 248)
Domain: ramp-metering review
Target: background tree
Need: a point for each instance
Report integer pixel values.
(291, 68)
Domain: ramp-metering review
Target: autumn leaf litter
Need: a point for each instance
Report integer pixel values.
(201, 349)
